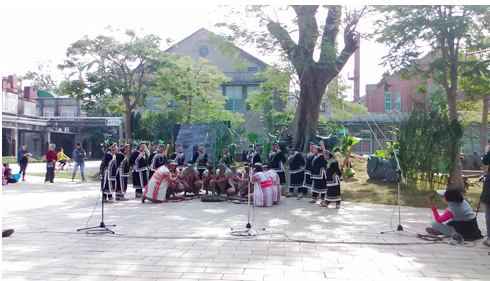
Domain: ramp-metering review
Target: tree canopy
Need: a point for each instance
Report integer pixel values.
(306, 44)
(445, 29)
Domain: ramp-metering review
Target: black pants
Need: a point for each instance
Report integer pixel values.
(303, 190)
(49, 174)
(315, 195)
(23, 167)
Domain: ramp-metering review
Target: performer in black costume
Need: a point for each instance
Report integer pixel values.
(296, 173)
(179, 157)
(157, 159)
(202, 158)
(277, 160)
(226, 157)
(123, 170)
(333, 180)
(308, 182)
(139, 162)
(108, 171)
(252, 155)
(319, 176)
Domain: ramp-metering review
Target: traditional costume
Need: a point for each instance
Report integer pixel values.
(140, 165)
(158, 185)
(319, 175)
(179, 158)
(108, 170)
(296, 173)
(252, 156)
(123, 170)
(156, 160)
(263, 190)
(202, 159)
(308, 182)
(276, 160)
(276, 186)
(333, 181)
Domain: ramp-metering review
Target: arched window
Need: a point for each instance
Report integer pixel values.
(203, 50)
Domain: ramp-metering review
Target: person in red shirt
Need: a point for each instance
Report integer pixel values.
(51, 158)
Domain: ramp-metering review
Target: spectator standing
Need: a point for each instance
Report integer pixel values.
(23, 159)
(79, 155)
(51, 158)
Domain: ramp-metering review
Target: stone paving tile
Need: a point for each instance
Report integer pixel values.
(192, 240)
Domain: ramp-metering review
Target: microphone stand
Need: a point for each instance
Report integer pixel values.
(399, 178)
(102, 228)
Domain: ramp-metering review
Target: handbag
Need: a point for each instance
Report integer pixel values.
(50, 165)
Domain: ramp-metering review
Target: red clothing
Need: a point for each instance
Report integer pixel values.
(446, 216)
(50, 156)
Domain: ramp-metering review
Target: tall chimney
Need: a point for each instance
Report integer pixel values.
(357, 71)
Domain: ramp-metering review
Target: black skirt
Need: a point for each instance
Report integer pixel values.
(296, 180)
(282, 177)
(308, 181)
(320, 185)
(139, 179)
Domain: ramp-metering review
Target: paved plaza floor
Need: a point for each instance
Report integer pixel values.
(192, 240)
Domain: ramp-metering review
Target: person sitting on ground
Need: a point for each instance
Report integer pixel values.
(276, 184)
(175, 185)
(458, 218)
(4, 181)
(62, 158)
(9, 176)
(219, 181)
(262, 181)
(243, 181)
(190, 180)
(207, 176)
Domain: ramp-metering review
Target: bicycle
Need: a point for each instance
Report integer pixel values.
(69, 166)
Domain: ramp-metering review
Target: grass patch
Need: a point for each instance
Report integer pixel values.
(90, 176)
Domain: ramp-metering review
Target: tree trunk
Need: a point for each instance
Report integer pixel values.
(305, 120)
(127, 122)
(484, 124)
(456, 175)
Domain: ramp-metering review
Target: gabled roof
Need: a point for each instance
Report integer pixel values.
(204, 30)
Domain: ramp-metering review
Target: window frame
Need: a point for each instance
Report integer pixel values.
(388, 103)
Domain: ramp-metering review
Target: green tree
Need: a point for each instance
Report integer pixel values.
(42, 78)
(312, 55)
(275, 88)
(194, 89)
(335, 98)
(444, 28)
(107, 66)
(475, 83)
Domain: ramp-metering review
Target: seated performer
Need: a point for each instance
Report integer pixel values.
(179, 157)
(157, 159)
(276, 184)
(226, 157)
(160, 182)
(207, 176)
(252, 155)
(219, 181)
(201, 159)
(243, 181)
(190, 180)
(262, 194)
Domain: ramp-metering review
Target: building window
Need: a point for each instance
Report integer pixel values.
(398, 101)
(366, 143)
(235, 98)
(67, 112)
(388, 102)
(203, 50)
(252, 69)
(48, 112)
(251, 89)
